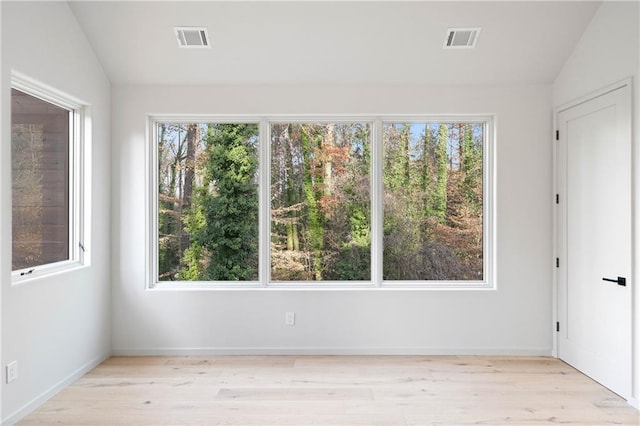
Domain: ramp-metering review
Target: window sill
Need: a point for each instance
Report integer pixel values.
(40, 272)
(337, 286)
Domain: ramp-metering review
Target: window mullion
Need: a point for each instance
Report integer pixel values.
(377, 208)
(153, 205)
(264, 210)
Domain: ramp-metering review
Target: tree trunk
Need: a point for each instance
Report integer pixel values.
(316, 234)
(426, 180)
(293, 197)
(405, 137)
(328, 144)
(193, 134)
(440, 196)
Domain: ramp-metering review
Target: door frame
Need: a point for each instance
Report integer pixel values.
(557, 241)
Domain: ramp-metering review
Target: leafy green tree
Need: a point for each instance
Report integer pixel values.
(471, 183)
(232, 215)
(440, 189)
(430, 229)
(397, 157)
(310, 143)
(223, 221)
(425, 193)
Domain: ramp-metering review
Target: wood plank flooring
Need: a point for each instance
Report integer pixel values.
(334, 390)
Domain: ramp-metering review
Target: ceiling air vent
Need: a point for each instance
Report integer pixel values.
(461, 38)
(192, 37)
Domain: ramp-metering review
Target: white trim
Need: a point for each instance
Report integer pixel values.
(593, 95)
(305, 287)
(376, 123)
(330, 350)
(554, 236)
(44, 271)
(556, 249)
(43, 397)
(44, 92)
(438, 285)
(634, 402)
(205, 285)
(559, 244)
(77, 186)
(79, 137)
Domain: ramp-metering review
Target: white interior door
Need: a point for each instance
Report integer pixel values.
(594, 237)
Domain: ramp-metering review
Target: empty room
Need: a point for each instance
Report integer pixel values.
(319, 212)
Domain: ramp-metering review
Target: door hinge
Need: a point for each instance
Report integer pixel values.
(557, 135)
(557, 198)
(557, 325)
(557, 262)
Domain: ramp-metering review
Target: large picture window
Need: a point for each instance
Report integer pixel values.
(45, 182)
(329, 203)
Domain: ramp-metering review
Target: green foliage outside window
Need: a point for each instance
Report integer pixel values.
(320, 201)
(432, 175)
(208, 199)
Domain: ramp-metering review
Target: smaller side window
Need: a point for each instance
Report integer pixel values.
(45, 183)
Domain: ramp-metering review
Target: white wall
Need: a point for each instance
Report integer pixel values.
(609, 51)
(515, 319)
(55, 327)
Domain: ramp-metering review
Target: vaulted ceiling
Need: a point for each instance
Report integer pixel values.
(333, 42)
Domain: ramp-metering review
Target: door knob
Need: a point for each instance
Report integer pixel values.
(620, 281)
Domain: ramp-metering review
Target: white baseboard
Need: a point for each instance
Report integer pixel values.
(32, 405)
(328, 351)
(634, 402)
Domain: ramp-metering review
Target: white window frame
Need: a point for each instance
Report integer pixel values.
(152, 203)
(377, 197)
(488, 281)
(78, 135)
(267, 160)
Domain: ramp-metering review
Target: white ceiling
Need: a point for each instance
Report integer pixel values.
(303, 42)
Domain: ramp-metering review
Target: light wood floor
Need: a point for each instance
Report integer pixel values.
(334, 390)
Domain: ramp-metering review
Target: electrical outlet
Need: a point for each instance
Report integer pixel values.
(12, 371)
(290, 318)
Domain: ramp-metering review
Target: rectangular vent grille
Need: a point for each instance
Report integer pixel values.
(461, 38)
(192, 37)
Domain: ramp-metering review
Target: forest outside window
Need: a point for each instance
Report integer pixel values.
(433, 201)
(207, 205)
(329, 203)
(320, 202)
(45, 182)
